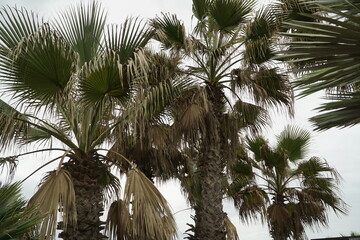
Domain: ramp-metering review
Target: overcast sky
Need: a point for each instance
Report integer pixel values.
(339, 147)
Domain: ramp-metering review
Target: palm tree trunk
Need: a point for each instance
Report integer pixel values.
(210, 215)
(89, 200)
(209, 221)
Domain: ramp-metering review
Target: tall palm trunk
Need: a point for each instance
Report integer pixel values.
(209, 219)
(85, 173)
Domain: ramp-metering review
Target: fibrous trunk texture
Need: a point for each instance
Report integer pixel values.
(210, 215)
(85, 173)
(209, 221)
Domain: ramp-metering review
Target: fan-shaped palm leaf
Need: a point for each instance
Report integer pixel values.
(40, 69)
(258, 36)
(200, 8)
(16, 24)
(127, 38)
(294, 141)
(170, 31)
(82, 28)
(228, 14)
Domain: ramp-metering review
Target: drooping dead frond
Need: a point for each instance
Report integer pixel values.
(150, 212)
(118, 220)
(56, 194)
(231, 233)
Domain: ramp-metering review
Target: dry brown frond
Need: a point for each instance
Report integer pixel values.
(151, 214)
(278, 214)
(231, 233)
(118, 220)
(159, 135)
(56, 194)
(192, 117)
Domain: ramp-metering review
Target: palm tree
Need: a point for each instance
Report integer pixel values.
(212, 56)
(77, 81)
(292, 191)
(328, 53)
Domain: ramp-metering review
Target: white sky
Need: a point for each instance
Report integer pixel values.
(339, 147)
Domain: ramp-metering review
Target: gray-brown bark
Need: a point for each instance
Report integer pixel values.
(210, 215)
(209, 221)
(89, 201)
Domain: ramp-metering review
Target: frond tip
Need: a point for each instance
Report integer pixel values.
(151, 214)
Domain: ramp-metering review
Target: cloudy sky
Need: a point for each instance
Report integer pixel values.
(340, 147)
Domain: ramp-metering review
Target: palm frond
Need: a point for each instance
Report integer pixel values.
(126, 39)
(287, 10)
(102, 78)
(294, 141)
(200, 8)
(228, 14)
(268, 87)
(10, 128)
(118, 223)
(250, 116)
(15, 220)
(15, 25)
(150, 213)
(255, 144)
(330, 55)
(40, 68)
(170, 31)
(82, 28)
(258, 34)
(16, 128)
(340, 112)
(56, 192)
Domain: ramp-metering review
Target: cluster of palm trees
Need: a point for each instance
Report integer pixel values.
(115, 107)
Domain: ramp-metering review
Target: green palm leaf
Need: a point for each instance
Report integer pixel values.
(258, 35)
(15, 25)
(343, 112)
(101, 78)
(82, 28)
(267, 86)
(250, 115)
(15, 221)
(228, 14)
(14, 127)
(294, 142)
(127, 39)
(170, 31)
(254, 144)
(40, 69)
(330, 56)
(200, 8)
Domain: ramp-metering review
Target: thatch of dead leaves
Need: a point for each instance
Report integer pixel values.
(56, 194)
(143, 214)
